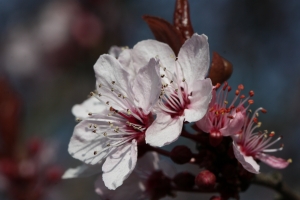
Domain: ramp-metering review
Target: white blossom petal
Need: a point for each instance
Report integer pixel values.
(147, 86)
(84, 143)
(147, 49)
(91, 105)
(119, 165)
(132, 188)
(112, 80)
(82, 171)
(247, 161)
(164, 130)
(199, 100)
(194, 58)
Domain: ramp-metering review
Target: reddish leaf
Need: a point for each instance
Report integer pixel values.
(9, 116)
(182, 20)
(165, 32)
(220, 70)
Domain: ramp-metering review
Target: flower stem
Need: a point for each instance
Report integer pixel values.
(188, 135)
(275, 182)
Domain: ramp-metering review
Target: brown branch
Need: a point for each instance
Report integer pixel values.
(275, 182)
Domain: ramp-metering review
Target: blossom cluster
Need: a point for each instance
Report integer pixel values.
(142, 100)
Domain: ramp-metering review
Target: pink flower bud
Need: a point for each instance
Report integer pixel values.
(205, 180)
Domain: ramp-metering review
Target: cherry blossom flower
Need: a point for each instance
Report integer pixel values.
(151, 179)
(223, 119)
(185, 92)
(111, 128)
(249, 146)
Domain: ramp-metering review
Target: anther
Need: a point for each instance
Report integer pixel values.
(113, 82)
(289, 160)
(105, 134)
(183, 80)
(226, 102)
(230, 117)
(107, 102)
(94, 131)
(119, 95)
(171, 81)
(78, 120)
(259, 124)
(112, 89)
(95, 152)
(251, 93)
(108, 145)
(242, 96)
(99, 85)
(99, 95)
(90, 114)
(162, 75)
(165, 69)
(91, 93)
(272, 134)
(229, 89)
(217, 85)
(237, 92)
(263, 110)
(241, 87)
(251, 101)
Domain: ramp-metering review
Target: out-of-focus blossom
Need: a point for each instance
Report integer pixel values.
(222, 118)
(185, 92)
(113, 128)
(250, 146)
(29, 177)
(150, 180)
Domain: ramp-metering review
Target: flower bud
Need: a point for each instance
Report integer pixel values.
(215, 138)
(181, 154)
(205, 180)
(184, 180)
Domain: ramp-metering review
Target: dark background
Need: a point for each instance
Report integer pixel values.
(48, 48)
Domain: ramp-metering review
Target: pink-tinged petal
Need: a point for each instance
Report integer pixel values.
(199, 100)
(84, 143)
(147, 86)
(164, 130)
(194, 58)
(273, 161)
(204, 124)
(91, 105)
(82, 171)
(132, 188)
(110, 74)
(246, 161)
(147, 49)
(119, 165)
(234, 125)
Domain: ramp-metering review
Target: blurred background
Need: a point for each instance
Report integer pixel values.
(48, 48)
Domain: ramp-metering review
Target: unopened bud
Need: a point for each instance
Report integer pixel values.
(181, 154)
(205, 180)
(215, 138)
(184, 180)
